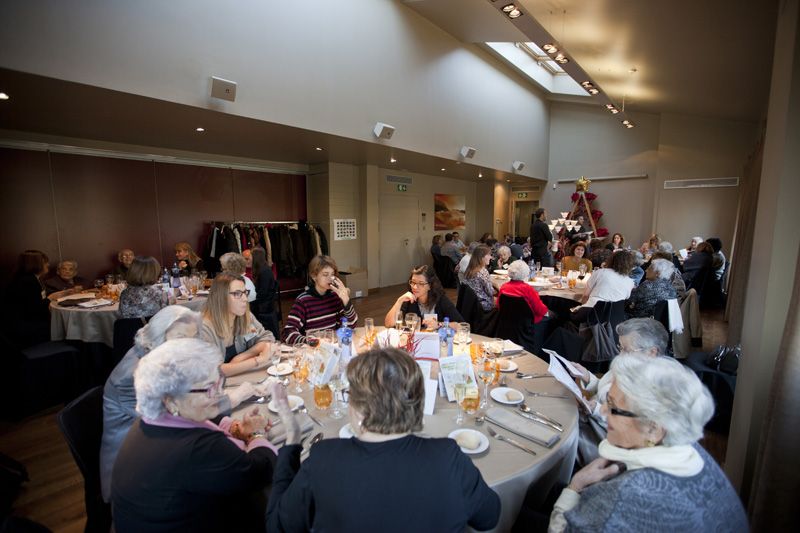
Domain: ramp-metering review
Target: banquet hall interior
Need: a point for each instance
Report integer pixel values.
(127, 125)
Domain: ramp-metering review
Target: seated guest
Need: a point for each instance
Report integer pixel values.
(177, 470)
(248, 262)
(125, 258)
(186, 258)
(477, 277)
(655, 288)
(519, 272)
(28, 319)
(436, 245)
(576, 258)
(322, 305)
(676, 279)
(651, 246)
(617, 242)
(142, 297)
(666, 248)
(600, 257)
(717, 258)
(503, 258)
(236, 264)
(119, 396)
(426, 297)
(651, 460)
(516, 247)
(266, 286)
(693, 244)
(461, 268)
(460, 246)
(231, 327)
(485, 237)
(637, 272)
(449, 249)
(65, 279)
(701, 260)
(611, 284)
(383, 461)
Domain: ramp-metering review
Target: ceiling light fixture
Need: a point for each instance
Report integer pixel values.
(318, 148)
(392, 160)
(516, 13)
(561, 59)
(629, 125)
(200, 130)
(594, 90)
(550, 49)
(443, 169)
(4, 96)
(480, 174)
(613, 109)
(508, 8)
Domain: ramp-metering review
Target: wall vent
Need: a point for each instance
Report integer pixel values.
(701, 183)
(406, 180)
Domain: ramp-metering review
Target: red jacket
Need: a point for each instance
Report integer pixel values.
(520, 289)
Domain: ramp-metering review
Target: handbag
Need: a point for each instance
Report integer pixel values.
(725, 359)
(599, 344)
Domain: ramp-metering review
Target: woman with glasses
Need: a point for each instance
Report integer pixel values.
(425, 297)
(177, 470)
(229, 324)
(322, 305)
(651, 474)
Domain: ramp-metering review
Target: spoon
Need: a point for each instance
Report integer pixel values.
(544, 419)
(303, 409)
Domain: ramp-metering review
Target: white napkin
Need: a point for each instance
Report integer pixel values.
(522, 426)
(100, 302)
(675, 318)
(511, 347)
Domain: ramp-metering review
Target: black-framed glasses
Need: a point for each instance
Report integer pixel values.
(418, 283)
(614, 410)
(238, 294)
(213, 390)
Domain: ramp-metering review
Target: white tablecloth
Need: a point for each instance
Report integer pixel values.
(94, 325)
(507, 470)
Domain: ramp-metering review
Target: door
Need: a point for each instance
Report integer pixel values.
(523, 216)
(399, 237)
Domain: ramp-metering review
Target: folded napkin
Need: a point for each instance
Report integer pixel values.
(77, 296)
(100, 302)
(277, 435)
(523, 427)
(511, 347)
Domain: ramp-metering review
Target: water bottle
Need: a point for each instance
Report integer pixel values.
(345, 335)
(165, 285)
(176, 276)
(446, 334)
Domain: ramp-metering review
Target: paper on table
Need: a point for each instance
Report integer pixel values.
(548, 271)
(567, 363)
(100, 302)
(684, 253)
(453, 369)
(328, 361)
(428, 345)
(510, 347)
(430, 395)
(558, 372)
(425, 366)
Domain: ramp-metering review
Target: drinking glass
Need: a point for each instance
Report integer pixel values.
(273, 350)
(558, 267)
(98, 283)
(486, 375)
(582, 270)
(470, 402)
(538, 266)
(460, 391)
(398, 320)
(412, 321)
(369, 332)
(300, 372)
(336, 387)
(323, 396)
(462, 333)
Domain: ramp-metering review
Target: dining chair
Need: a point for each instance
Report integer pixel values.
(81, 422)
(515, 323)
(125, 330)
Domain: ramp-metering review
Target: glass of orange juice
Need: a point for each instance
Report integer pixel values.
(323, 396)
(471, 400)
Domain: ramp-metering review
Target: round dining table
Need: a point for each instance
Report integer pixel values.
(95, 324)
(509, 471)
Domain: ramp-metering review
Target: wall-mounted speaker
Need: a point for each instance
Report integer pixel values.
(223, 89)
(383, 131)
(468, 152)
(518, 165)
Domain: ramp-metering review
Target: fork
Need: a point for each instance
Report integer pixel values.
(304, 410)
(510, 441)
(546, 394)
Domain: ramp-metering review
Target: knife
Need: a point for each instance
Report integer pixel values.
(540, 442)
(538, 420)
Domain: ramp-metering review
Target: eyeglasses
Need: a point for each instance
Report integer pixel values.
(214, 390)
(418, 283)
(614, 410)
(238, 294)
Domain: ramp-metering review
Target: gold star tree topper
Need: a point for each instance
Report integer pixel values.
(582, 184)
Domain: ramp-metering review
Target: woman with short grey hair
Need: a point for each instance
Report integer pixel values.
(519, 272)
(651, 475)
(176, 468)
(655, 288)
(237, 264)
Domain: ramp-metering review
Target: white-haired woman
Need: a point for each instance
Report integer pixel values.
(519, 272)
(119, 396)
(503, 258)
(656, 287)
(651, 475)
(177, 470)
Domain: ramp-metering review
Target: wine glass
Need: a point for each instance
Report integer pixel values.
(459, 391)
(558, 267)
(336, 386)
(486, 375)
(273, 350)
(582, 270)
(369, 331)
(398, 320)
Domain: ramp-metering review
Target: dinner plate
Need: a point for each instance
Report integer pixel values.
(501, 272)
(482, 447)
(499, 395)
(346, 432)
(512, 367)
(294, 403)
(285, 348)
(281, 369)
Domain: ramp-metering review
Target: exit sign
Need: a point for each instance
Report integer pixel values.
(522, 195)
(402, 187)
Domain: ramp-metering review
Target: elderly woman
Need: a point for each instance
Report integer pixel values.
(236, 264)
(372, 482)
(65, 279)
(177, 470)
(230, 326)
(124, 261)
(692, 247)
(186, 258)
(425, 297)
(576, 258)
(322, 305)
(477, 277)
(655, 288)
(699, 262)
(142, 297)
(651, 474)
(519, 272)
(119, 396)
(503, 258)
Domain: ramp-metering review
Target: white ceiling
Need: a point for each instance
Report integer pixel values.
(698, 57)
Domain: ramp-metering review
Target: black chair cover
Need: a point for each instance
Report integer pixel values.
(515, 322)
(124, 332)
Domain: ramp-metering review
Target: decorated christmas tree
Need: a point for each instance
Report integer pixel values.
(582, 201)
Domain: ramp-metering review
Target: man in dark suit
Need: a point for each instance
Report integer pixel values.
(541, 236)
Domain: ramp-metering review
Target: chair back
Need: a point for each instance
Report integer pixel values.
(515, 322)
(81, 422)
(613, 312)
(661, 313)
(470, 308)
(445, 271)
(124, 332)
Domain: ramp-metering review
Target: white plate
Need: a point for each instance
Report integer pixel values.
(501, 272)
(499, 395)
(482, 447)
(281, 369)
(346, 432)
(512, 367)
(294, 403)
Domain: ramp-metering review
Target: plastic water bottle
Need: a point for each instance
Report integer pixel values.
(446, 335)
(176, 276)
(345, 336)
(165, 285)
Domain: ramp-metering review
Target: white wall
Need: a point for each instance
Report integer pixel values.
(336, 67)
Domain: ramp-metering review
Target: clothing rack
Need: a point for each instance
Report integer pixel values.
(263, 222)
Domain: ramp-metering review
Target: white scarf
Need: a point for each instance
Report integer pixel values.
(681, 461)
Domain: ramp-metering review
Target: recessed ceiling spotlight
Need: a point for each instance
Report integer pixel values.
(392, 160)
(200, 130)
(480, 174)
(318, 148)
(594, 90)
(561, 59)
(587, 84)
(516, 13)
(629, 125)
(626, 122)
(4, 96)
(443, 169)
(508, 8)
(509, 181)
(550, 49)
(613, 109)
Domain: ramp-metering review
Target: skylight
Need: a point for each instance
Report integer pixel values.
(531, 60)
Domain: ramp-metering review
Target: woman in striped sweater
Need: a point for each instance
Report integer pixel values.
(322, 305)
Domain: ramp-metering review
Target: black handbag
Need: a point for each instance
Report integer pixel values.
(725, 359)
(599, 341)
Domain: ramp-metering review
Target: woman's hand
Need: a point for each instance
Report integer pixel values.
(406, 297)
(431, 323)
(585, 377)
(293, 432)
(598, 470)
(341, 291)
(182, 264)
(252, 422)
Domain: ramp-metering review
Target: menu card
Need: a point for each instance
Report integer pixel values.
(457, 369)
(325, 363)
(428, 345)
(557, 371)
